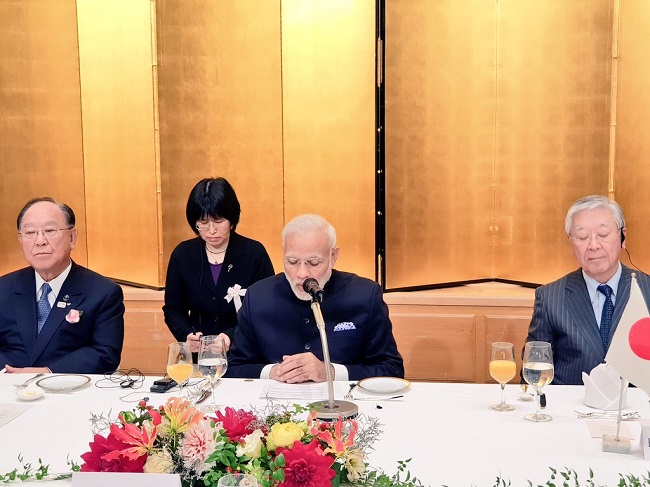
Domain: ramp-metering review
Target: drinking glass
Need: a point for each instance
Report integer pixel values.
(538, 371)
(502, 370)
(237, 479)
(179, 363)
(213, 363)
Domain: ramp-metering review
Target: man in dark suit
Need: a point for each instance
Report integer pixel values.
(574, 313)
(277, 337)
(57, 316)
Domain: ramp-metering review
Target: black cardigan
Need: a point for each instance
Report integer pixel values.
(193, 302)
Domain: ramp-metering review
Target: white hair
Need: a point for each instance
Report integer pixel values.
(591, 203)
(307, 224)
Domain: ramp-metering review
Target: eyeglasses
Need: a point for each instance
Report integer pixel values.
(48, 233)
(600, 237)
(206, 225)
(313, 263)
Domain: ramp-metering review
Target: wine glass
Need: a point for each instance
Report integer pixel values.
(179, 363)
(538, 371)
(237, 479)
(213, 363)
(502, 370)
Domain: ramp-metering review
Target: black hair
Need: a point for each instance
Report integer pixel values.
(67, 211)
(212, 198)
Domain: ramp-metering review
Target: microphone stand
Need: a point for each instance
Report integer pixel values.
(331, 409)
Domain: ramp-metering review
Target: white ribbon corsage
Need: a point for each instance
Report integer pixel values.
(235, 293)
(73, 316)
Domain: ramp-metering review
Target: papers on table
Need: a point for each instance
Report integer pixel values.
(307, 391)
(9, 412)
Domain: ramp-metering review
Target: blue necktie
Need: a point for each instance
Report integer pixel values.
(606, 317)
(43, 306)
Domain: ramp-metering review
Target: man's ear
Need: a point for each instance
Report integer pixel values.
(335, 255)
(73, 238)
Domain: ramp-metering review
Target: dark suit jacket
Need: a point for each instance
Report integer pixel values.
(273, 322)
(564, 317)
(91, 346)
(193, 302)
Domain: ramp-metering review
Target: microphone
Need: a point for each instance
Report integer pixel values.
(311, 287)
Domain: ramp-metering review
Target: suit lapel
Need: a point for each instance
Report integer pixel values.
(70, 297)
(582, 312)
(25, 309)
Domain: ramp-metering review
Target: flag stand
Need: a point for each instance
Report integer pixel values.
(616, 444)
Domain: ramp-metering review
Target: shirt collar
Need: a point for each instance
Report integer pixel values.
(592, 284)
(55, 283)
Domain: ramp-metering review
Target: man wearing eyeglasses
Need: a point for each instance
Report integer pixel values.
(277, 337)
(55, 315)
(578, 313)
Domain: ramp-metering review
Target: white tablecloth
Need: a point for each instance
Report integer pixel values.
(447, 429)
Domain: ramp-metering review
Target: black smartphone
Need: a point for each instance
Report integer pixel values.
(163, 385)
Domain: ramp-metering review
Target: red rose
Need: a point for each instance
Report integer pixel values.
(96, 461)
(307, 466)
(236, 423)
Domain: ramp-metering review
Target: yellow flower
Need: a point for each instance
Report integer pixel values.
(283, 434)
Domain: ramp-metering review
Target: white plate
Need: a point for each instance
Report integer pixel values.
(63, 382)
(383, 385)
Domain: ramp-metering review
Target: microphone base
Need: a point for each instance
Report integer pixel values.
(344, 409)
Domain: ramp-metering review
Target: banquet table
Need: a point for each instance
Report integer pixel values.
(447, 429)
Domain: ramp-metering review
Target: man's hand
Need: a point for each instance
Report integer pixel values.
(27, 370)
(301, 367)
(194, 339)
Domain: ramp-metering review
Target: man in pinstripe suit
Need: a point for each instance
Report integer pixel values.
(568, 312)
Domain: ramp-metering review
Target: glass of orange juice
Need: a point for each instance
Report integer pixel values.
(179, 363)
(502, 370)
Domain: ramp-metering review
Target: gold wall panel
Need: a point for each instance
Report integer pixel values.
(440, 103)
(220, 104)
(495, 122)
(40, 117)
(552, 137)
(117, 101)
(632, 170)
(328, 81)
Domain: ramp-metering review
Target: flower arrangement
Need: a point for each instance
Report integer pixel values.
(275, 446)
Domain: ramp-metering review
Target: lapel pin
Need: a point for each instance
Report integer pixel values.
(61, 304)
(66, 297)
(229, 267)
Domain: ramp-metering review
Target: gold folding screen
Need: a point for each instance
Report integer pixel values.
(40, 116)
(498, 116)
(121, 170)
(632, 122)
(496, 121)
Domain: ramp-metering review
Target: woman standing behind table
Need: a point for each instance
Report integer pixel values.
(208, 275)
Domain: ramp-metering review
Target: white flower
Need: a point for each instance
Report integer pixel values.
(252, 447)
(159, 461)
(197, 445)
(355, 465)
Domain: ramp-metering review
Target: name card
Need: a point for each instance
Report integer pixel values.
(124, 479)
(645, 438)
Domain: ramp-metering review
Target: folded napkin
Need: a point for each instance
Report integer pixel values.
(603, 387)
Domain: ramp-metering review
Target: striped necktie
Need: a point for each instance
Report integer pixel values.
(606, 317)
(43, 307)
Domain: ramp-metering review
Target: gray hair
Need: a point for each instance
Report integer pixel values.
(307, 224)
(591, 203)
(68, 214)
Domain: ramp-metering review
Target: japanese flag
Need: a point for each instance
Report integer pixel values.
(629, 351)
